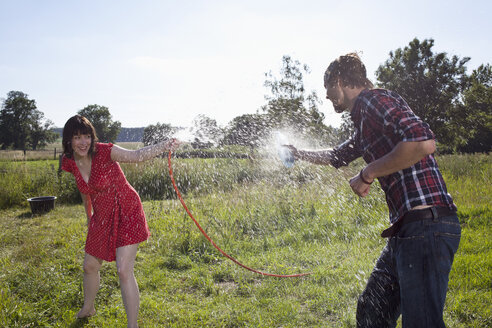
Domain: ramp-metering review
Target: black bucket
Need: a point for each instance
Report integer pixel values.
(40, 205)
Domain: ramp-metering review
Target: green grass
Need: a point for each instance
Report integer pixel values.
(469, 179)
(269, 218)
(20, 180)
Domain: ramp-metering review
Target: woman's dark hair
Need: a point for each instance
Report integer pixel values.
(349, 70)
(77, 125)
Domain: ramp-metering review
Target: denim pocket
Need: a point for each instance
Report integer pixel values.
(413, 230)
(410, 249)
(447, 244)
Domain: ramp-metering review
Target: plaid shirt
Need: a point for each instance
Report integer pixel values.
(382, 119)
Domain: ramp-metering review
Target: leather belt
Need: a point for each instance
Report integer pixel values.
(417, 215)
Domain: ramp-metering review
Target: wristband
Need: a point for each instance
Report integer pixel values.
(362, 178)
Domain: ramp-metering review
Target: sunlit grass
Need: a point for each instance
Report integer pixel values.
(469, 181)
(270, 218)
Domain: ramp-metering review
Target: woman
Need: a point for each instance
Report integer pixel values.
(115, 218)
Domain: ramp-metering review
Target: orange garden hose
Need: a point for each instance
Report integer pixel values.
(212, 242)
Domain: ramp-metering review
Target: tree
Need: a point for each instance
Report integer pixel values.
(432, 84)
(100, 117)
(206, 131)
(42, 134)
(475, 115)
(289, 106)
(246, 130)
(156, 133)
(21, 124)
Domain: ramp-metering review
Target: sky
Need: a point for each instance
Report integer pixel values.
(170, 61)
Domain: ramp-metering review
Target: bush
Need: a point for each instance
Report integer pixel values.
(199, 176)
(22, 180)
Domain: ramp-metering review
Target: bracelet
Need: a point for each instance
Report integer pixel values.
(362, 178)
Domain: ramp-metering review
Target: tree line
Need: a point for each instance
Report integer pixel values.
(457, 106)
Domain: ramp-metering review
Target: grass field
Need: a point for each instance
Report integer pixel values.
(268, 217)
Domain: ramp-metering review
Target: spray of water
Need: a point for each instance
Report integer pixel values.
(275, 153)
(184, 134)
(194, 135)
(283, 152)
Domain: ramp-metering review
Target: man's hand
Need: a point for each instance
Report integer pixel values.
(360, 187)
(322, 157)
(294, 151)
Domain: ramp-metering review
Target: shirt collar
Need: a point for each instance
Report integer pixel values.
(355, 112)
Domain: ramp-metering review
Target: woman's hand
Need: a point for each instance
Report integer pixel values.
(173, 144)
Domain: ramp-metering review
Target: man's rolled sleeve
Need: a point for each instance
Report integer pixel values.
(406, 125)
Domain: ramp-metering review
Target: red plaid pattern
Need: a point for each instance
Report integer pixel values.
(382, 119)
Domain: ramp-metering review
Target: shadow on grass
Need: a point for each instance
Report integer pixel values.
(26, 215)
(79, 323)
(29, 215)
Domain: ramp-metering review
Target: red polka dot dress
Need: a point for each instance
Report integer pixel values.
(118, 218)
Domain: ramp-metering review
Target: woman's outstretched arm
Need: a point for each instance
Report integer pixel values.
(123, 155)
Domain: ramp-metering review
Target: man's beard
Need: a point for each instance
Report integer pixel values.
(339, 108)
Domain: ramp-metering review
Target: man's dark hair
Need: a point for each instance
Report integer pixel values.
(349, 70)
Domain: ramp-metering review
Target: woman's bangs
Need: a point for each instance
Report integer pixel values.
(83, 129)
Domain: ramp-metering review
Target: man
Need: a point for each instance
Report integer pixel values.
(411, 276)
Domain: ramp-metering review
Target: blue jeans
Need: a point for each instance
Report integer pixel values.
(411, 276)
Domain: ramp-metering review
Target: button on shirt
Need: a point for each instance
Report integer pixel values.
(382, 119)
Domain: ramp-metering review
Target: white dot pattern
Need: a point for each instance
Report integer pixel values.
(118, 218)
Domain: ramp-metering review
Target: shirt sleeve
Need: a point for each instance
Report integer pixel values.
(345, 153)
(66, 164)
(399, 120)
(105, 151)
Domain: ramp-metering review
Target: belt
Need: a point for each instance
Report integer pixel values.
(417, 215)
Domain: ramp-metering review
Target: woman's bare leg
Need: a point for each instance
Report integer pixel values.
(92, 265)
(125, 260)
